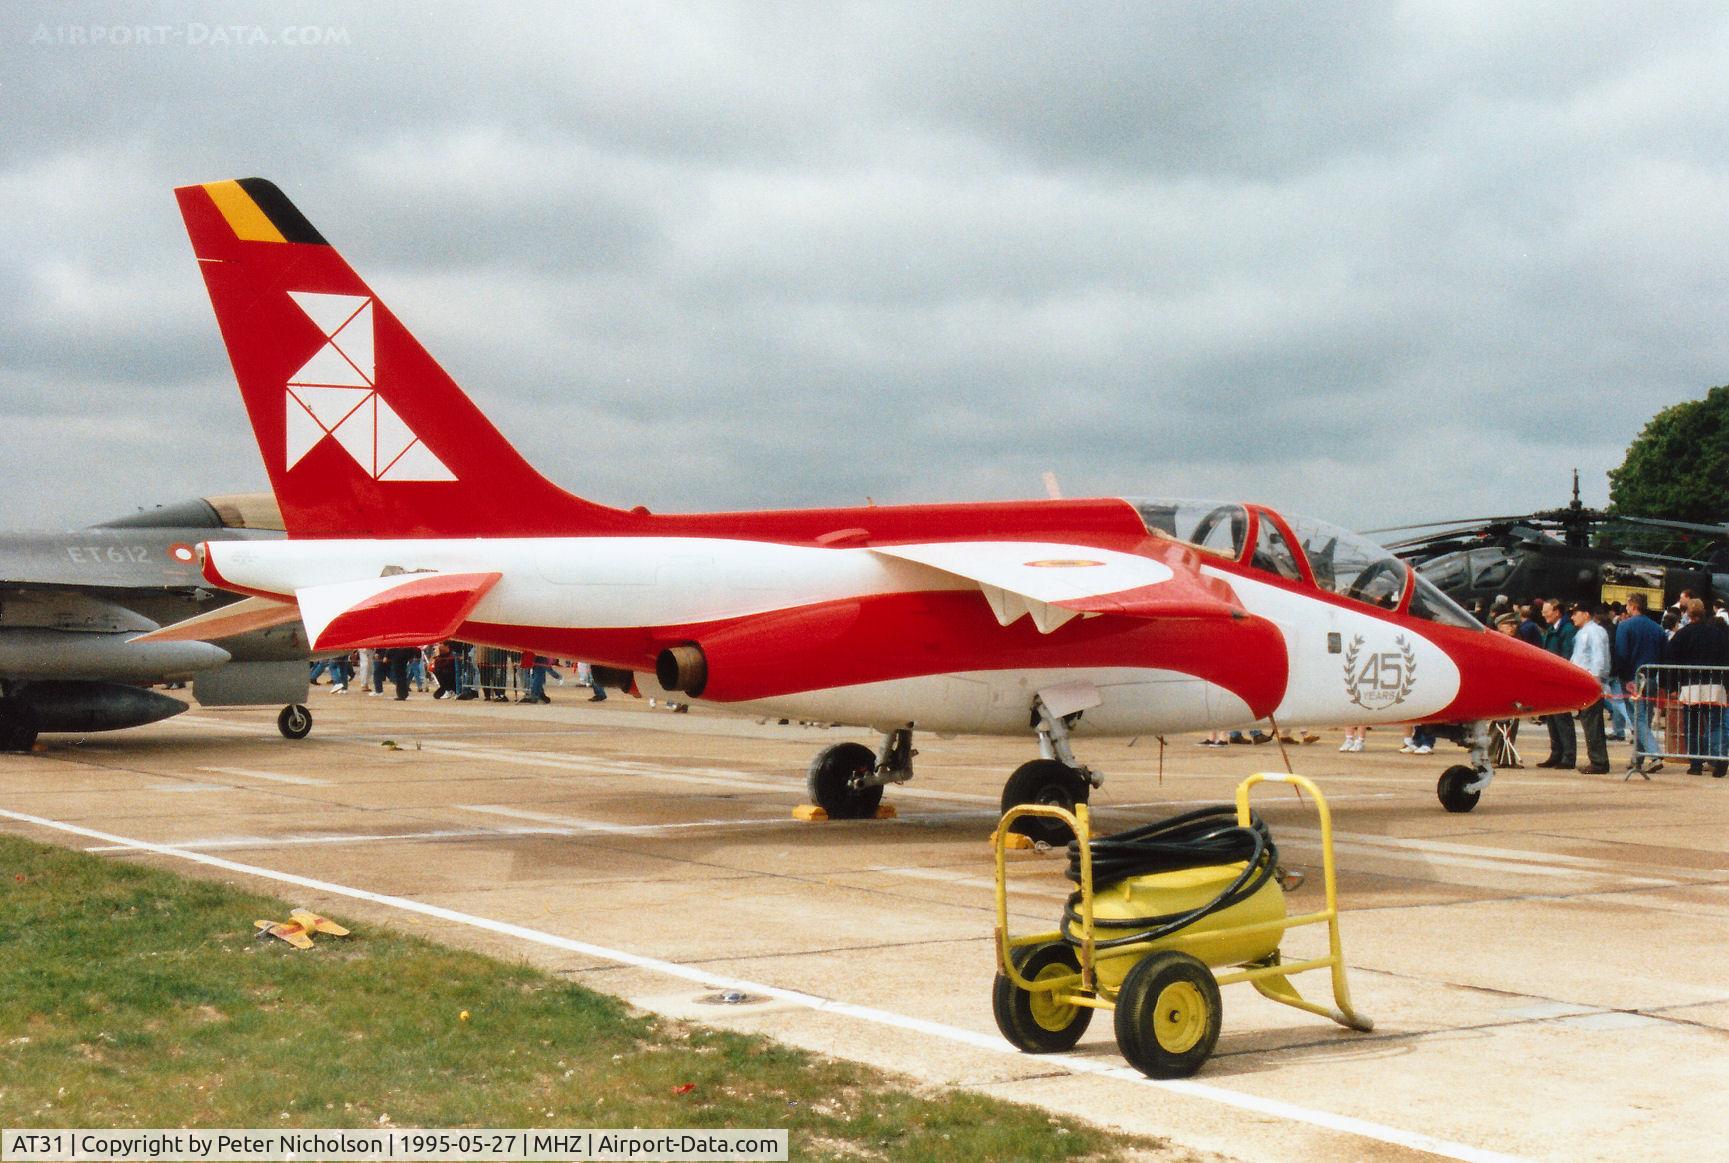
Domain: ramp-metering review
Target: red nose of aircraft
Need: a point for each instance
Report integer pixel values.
(1502, 677)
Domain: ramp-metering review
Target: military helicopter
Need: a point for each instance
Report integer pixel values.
(1573, 553)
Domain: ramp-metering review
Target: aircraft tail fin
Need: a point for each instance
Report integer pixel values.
(362, 432)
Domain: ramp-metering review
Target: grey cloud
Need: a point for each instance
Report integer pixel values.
(731, 255)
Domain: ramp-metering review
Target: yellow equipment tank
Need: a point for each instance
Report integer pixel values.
(1162, 991)
(1217, 939)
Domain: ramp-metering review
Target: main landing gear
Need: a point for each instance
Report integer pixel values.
(846, 780)
(1460, 787)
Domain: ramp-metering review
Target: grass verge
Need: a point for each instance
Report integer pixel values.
(132, 997)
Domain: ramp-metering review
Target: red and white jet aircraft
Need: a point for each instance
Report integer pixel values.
(411, 519)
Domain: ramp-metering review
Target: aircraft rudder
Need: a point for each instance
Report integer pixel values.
(360, 428)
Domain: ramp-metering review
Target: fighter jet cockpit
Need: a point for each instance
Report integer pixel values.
(1302, 550)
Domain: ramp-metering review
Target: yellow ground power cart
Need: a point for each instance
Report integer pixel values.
(1156, 910)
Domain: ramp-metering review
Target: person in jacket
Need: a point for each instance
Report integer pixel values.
(1558, 639)
(1591, 654)
(1697, 662)
(1530, 624)
(1639, 642)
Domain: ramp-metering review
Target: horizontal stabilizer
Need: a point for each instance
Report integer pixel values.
(1053, 583)
(405, 609)
(241, 617)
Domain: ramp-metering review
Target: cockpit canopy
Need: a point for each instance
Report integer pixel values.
(1302, 550)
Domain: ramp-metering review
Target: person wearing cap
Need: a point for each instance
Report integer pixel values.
(1507, 622)
(1591, 654)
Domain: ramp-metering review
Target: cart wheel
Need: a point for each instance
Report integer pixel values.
(1168, 1015)
(1045, 781)
(1451, 789)
(295, 722)
(1040, 1023)
(829, 782)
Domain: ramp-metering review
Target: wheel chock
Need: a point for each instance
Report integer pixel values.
(886, 812)
(1013, 841)
(809, 813)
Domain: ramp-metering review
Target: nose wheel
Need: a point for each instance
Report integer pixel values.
(295, 721)
(1461, 786)
(1454, 789)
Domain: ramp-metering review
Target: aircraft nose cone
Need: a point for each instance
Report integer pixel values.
(1505, 677)
(1558, 685)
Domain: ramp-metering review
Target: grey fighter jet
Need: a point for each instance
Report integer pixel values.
(70, 603)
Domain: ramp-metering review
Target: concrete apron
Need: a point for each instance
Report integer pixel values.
(1544, 973)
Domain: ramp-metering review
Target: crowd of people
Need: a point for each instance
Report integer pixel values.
(454, 670)
(1661, 677)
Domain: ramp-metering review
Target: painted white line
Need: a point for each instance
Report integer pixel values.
(260, 842)
(1502, 860)
(604, 768)
(575, 824)
(1457, 849)
(987, 883)
(708, 979)
(701, 776)
(1225, 799)
(270, 776)
(189, 787)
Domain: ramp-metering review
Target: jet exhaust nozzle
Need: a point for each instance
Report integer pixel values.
(682, 668)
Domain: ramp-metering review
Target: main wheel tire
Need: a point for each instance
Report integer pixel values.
(17, 727)
(1451, 789)
(1045, 781)
(829, 782)
(1039, 1023)
(1168, 1015)
(295, 722)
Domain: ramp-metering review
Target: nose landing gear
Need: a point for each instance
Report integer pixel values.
(1460, 787)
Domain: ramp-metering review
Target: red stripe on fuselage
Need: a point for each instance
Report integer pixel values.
(893, 636)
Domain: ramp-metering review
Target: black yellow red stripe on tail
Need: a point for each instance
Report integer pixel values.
(363, 434)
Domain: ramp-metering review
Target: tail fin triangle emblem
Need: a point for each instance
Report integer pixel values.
(334, 394)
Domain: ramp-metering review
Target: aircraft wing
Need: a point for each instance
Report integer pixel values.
(237, 618)
(405, 609)
(1054, 582)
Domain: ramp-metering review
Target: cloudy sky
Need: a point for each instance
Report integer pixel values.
(1372, 262)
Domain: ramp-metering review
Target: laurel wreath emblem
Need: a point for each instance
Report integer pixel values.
(1409, 678)
(1351, 652)
(1407, 673)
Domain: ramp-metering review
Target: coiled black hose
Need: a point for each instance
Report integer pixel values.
(1200, 839)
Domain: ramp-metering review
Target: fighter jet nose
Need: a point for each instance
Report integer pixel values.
(1550, 684)
(1583, 690)
(1506, 678)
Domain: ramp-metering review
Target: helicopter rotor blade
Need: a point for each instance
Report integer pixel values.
(1462, 522)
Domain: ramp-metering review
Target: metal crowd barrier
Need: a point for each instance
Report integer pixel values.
(1680, 712)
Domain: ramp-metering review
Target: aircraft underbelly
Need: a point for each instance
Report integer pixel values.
(1134, 701)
